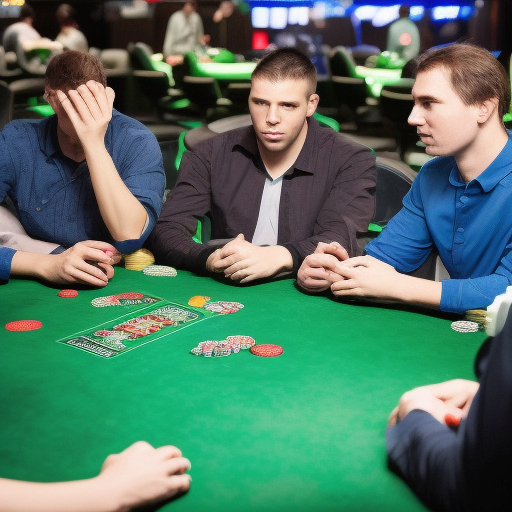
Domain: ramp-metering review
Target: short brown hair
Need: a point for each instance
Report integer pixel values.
(70, 69)
(286, 64)
(475, 74)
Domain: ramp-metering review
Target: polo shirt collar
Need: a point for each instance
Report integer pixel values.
(47, 134)
(499, 168)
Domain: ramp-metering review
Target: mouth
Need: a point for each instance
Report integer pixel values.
(273, 135)
(423, 135)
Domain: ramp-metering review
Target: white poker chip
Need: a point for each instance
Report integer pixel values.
(465, 326)
(160, 270)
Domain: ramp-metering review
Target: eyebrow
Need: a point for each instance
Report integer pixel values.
(291, 102)
(425, 97)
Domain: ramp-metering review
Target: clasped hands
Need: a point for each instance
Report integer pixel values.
(453, 397)
(363, 276)
(242, 261)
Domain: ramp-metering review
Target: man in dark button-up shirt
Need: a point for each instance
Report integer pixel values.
(272, 190)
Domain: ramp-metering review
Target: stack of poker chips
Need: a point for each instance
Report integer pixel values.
(138, 260)
(231, 345)
(479, 316)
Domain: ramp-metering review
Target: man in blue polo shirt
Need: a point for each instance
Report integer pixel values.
(459, 203)
(87, 173)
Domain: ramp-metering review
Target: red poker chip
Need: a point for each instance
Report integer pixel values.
(451, 420)
(130, 295)
(24, 325)
(68, 294)
(267, 350)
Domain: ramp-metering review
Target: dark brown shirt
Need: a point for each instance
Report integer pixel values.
(329, 196)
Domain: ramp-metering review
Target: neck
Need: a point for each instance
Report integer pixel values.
(491, 141)
(71, 147)
(278, 162)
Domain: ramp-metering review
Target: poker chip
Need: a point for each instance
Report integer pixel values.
(160, 270)
(451, 420)
(130, 295)
(138, 260)
(68, 294)
(223, 307)
(23, 325)
(243, 342)
(109, 300)
(465, 326)
(267, 350)
(198, 301)
(231, 345)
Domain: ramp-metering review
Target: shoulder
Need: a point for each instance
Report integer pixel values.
(128, 126)
(19, 130)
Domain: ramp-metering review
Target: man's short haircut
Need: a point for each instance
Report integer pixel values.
(475, 74)
(70, 69)
(286, 64)
(27, 11)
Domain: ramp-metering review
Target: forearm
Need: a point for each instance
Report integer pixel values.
(416, 291)
(123, 214)
(91, 495)
(428, 456)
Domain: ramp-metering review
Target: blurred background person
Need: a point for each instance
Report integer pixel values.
(70, 36)
(403, 35)
(184, 33)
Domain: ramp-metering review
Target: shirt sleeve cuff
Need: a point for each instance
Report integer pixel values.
(5, 264)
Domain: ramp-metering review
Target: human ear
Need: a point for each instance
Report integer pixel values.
(312, 104)
(486, 109)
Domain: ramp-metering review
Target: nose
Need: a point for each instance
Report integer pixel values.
(415, 118)
(273, 115)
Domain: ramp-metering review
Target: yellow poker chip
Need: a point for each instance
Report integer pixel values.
(198, 301)
(138, 260)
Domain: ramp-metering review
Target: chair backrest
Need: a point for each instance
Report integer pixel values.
(350, 91)
(116, 61)
(341, 62)
(6, 103)
(202, 91)
(394, 179)
(141, 56)
(396, 101)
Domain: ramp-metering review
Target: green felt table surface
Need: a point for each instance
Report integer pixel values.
(299, 432)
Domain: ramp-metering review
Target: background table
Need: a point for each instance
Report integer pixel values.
(300, 432)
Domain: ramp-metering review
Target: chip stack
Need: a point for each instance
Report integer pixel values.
(138, 260)
(479, 316)
(231, 345)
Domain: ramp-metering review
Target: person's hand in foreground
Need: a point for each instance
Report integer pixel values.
(90, 263)
(316, 272)
(140, 475)
(452, 397)
(243, 261)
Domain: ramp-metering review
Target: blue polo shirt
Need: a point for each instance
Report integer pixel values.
(53, 194)
(470, 224)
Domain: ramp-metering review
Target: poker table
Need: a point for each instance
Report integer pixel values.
(300, 432)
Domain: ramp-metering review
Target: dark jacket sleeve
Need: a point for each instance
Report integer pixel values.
(342, 211)
(470, 469)
(171, 241)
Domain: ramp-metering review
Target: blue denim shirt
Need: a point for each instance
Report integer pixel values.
(53, 194)
(469, 223)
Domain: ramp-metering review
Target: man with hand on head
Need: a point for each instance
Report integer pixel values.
(458, 205)
(87, 173)
(138, 476)
(272, 190)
